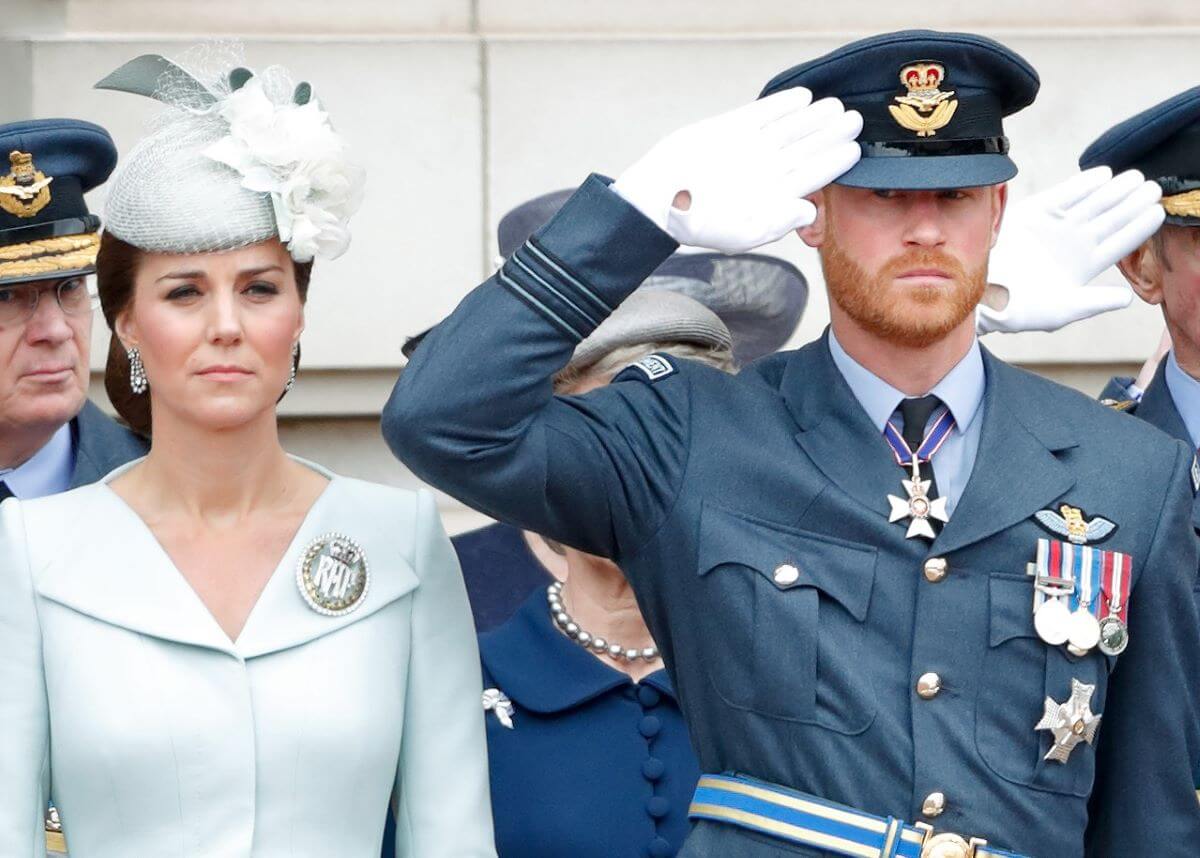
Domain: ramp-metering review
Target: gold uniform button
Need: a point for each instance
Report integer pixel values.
(936, 568)
(934, 804)
(928, 686)
(786, 574)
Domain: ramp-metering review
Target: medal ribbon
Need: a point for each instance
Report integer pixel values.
(934, 438)
(1087, 565)
(1117, 573)
(1055, 564)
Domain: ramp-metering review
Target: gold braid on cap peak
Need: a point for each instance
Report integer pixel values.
(1183, 205)
(49, 256)
(50, 246)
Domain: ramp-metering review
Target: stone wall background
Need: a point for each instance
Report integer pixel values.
(460, 109)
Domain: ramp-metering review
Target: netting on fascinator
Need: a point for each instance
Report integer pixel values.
(237, 157)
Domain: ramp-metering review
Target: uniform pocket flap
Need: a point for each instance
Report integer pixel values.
(789, 557)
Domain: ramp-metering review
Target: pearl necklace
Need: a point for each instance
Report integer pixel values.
(571, 629)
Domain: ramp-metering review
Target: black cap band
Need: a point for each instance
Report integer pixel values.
(916, 148)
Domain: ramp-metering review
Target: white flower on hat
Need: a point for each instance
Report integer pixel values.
(290, 151)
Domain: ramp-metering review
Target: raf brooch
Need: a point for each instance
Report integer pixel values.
(924, 108)
(332, 575)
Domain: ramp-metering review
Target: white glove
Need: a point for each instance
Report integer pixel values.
(747, 171)
(1055, 242)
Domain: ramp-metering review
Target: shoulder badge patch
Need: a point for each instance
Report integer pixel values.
(655, 367)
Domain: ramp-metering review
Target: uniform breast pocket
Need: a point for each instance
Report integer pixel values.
(787, 610)
(1020, 671)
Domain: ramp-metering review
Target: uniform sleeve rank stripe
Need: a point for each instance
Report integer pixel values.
(591, 320)
(538, 306)
(558, 269)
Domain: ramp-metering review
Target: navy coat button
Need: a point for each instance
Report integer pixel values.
(649, 726)
(660, 848)
(648, 696)
(653, 769)
(657, 806)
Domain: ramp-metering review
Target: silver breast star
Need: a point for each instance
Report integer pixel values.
(496, 701)
(919, 506)
(1070, 723)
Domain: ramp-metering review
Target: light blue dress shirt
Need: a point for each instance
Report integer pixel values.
(1185, 390)
(47, 472)
(961, 389)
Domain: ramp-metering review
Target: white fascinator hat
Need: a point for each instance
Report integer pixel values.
(237, 157)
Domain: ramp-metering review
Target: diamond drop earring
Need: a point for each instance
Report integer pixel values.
(137, 372)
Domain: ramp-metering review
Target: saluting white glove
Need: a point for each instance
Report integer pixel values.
(1054, 243)
(746, 172)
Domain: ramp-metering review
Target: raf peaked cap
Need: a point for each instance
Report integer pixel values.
(1162, 142)
(46, 231)
(932, 106)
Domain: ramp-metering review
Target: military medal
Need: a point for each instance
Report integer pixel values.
(1053, 586)
(1114, 633)
(1080, 594)
(918, 507)
(332, 575)
(1071, 722)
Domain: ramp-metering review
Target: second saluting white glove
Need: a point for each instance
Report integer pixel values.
(746, 172)
(1054, 243)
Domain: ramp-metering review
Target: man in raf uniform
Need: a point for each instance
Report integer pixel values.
(51, 437)
(1164, 143)
(914, 601)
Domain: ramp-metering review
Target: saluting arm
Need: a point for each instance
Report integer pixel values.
(474, 412)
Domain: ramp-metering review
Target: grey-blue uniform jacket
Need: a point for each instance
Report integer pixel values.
(699, 484)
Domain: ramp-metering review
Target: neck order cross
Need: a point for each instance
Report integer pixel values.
(921, 506)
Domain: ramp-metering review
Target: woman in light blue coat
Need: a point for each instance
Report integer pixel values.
(220, 650)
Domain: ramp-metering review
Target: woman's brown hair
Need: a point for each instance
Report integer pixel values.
(116, 274)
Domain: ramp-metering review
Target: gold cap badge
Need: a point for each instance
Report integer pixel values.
(25, 191)
(925, 108)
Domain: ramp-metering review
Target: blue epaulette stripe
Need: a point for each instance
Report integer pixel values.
(515, 259)
(583, 290)
(512, 286)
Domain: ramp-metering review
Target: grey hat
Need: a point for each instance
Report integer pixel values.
(759, 298)
(653, 316)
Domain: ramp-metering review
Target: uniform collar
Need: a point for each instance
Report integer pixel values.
(542, 670)
(961, 388)
(48, 471)
(1185, 391)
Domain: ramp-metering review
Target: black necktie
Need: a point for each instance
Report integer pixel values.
(5, 491)
(916, 414)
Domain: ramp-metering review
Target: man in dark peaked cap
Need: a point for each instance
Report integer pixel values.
(914, 601)
(51, 437)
